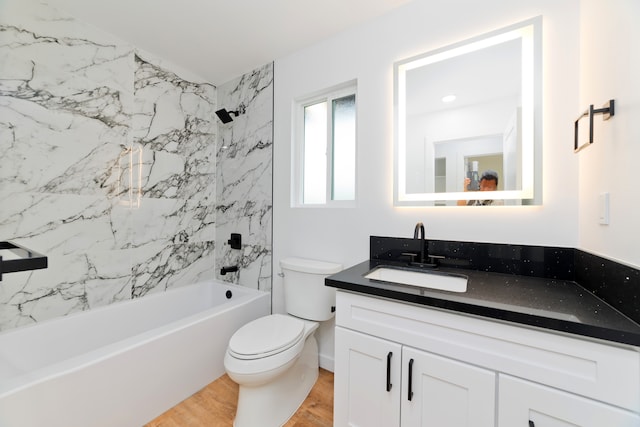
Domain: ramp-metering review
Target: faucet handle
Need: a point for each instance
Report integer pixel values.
(411, 255)
(434, 259)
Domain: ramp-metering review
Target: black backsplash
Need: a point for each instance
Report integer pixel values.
(537, 261)
(615, 283)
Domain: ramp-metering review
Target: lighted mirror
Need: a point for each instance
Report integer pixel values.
(469, 108)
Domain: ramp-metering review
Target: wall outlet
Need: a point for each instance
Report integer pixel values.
(603, 208)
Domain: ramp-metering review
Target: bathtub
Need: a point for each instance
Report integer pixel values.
(124, 364)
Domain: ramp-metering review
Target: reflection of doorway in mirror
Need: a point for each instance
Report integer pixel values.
(492, 161)
(440, 181)
(455, 152)
(440, 175)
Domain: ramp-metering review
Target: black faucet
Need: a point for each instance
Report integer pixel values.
(418, 233)
(426, 260)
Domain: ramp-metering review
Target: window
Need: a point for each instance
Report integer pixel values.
(325, 149)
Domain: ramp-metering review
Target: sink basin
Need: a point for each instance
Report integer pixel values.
(422, 279)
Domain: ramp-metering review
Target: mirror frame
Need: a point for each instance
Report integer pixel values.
(530, 32)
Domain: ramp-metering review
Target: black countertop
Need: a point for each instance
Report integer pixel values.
(549, 303)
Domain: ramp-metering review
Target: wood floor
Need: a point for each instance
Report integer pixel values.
(215, 406)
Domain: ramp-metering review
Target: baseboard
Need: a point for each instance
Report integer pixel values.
(326, 362)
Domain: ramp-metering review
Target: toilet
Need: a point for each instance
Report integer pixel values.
(274, 359)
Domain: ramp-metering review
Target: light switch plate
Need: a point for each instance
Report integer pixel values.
(603, 207)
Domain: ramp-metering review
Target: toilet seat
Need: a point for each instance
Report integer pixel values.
(266, 337)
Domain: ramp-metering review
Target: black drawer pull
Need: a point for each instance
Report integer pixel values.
(410, 394)
(389, 385)
(532, 424)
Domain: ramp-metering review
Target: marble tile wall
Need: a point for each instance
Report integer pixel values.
(109, 168)
(244, 178)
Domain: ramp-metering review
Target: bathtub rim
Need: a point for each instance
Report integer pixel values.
(54, 370)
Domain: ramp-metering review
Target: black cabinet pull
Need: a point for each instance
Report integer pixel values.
(389, 371)
(410, 394)
(532, 424)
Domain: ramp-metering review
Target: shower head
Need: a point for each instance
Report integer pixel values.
(225, 116)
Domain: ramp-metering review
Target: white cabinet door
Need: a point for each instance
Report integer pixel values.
(437, 391)
(526, 404)
(366, 381)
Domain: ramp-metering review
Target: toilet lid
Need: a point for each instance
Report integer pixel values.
(266, 336)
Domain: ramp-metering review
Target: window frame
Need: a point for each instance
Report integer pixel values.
(298, 145)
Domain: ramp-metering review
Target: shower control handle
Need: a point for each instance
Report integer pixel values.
(235, 241)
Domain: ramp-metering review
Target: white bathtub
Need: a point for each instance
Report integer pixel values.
(124, 364)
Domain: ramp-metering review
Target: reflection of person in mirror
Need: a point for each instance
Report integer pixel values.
(488, 182)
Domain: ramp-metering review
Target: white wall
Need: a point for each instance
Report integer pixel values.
(610, 69)
(367, 53)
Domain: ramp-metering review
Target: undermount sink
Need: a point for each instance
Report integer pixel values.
(423, 279)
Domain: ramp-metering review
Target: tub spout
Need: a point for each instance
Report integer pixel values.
(229, 269)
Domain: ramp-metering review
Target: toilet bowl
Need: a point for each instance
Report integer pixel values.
(274, 379)
(274, 359)
(264, 348)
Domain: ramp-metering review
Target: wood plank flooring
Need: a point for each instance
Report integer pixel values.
(215, 406)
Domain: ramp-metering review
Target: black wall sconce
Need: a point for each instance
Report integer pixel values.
(607, 111)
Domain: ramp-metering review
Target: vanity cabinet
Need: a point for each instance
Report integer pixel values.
(377, 380)
(366, 380)
(523, 403)
(443, 392)
(466, 371)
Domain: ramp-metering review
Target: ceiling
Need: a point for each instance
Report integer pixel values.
(219, 40)
(476, 78)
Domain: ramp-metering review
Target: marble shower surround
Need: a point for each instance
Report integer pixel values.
(244, 178)
(108, 166)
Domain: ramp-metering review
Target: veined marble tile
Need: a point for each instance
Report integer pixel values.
(109, 161)
(160, 267)
(173, 122)
(76, 160)
(167, 102)
(38, 155)
(171, 221)
(62, 224)
(43, 294)
(244, 169)
(59, 134)
(35, 30)
(109, 278)
(78, 235)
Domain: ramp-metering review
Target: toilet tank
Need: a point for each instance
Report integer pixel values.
(305, 294)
